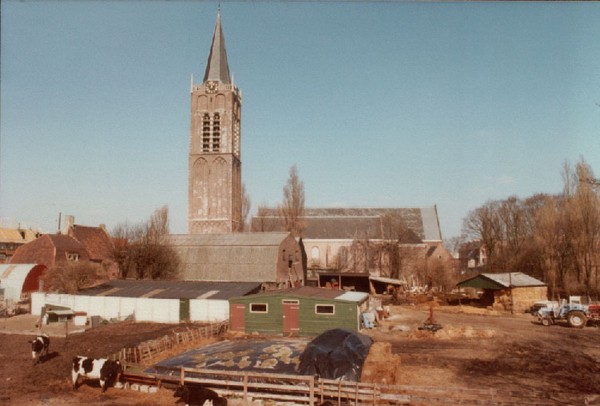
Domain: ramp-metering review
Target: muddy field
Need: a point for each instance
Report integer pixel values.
(474, 349)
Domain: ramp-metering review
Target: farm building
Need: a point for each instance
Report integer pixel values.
(273, 258)
(148, 300)
(303, 311)
(504, 291)
(18, 280)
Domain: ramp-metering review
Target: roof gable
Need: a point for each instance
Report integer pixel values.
(96, 241)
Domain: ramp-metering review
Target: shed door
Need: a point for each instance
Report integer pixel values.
(237, 317)
(290, 317)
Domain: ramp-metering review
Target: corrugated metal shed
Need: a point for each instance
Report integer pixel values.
(500, 281)
(304, 311)
(18, 278)
(172, 289)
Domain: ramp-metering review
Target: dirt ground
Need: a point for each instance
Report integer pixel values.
(474, 349)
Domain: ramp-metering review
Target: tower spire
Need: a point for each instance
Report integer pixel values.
(217, 68)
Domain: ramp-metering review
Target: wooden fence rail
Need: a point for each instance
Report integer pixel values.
(144, 353)
(312, 390)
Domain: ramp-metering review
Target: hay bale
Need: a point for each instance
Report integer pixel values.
(381, 366)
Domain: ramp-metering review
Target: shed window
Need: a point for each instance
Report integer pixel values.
(324, 309)
(259, 308)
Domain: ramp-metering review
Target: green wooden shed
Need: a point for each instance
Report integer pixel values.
(297, 311)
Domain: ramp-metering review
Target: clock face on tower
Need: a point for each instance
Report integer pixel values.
(211, 86)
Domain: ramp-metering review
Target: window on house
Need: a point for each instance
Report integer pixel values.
(324, 309)
(259, 308)
(72, 256)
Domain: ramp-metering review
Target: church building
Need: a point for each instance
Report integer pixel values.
(215, 167)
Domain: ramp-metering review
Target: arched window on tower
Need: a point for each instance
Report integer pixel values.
(236, 137)
(216, 133)
(205, 132)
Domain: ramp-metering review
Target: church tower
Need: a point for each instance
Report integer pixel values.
(215, 167)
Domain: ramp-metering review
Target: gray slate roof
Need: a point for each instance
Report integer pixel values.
(246, 257)
(353, 223)
(516, 279)
(172, 289)
(501, 281)
(217, 68)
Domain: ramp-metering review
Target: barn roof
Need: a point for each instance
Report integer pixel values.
(250, 257)
(309, 291)
(231, 239)
(501, 281)
(172, 289)
(351, 223)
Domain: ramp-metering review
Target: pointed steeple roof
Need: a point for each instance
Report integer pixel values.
(217, 68)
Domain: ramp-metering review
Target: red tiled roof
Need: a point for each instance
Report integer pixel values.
(49, 249)
(96, 241)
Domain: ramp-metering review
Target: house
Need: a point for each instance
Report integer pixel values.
(97, 242)
(13, 238)
(472, 257)
(274, 259)
(19, 280)
(506, 291)
(49, 250)
(74, 243)
(336, 239)
(149, 300)
(299, 311)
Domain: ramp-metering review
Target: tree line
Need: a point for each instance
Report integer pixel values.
(555, 238)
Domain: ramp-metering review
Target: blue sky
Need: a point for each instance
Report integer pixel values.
(379, 104)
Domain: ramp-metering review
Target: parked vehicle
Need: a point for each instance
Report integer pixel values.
(575, 313)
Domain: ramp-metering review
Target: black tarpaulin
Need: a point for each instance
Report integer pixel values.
(336, 354)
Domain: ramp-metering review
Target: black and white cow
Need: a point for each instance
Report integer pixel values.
(197, 395)
(105, 370)
(39, 348)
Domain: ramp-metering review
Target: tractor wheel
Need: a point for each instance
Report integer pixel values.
(577, 319)
(546, 321)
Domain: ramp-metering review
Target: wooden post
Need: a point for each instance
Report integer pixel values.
(311, 388)
(245, 387)
(182, 377)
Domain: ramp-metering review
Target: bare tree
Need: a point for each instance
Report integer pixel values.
(583, 210)
(292, 207)
(72, 276)
(483, 224)
(142, 251)
(246, 205)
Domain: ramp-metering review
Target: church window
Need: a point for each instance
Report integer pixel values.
(216, 133)
(236, 138)
(205, 133)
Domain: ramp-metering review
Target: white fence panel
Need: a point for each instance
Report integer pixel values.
(38, 299)
(127, 307)
(143, 309)
(206, 310)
